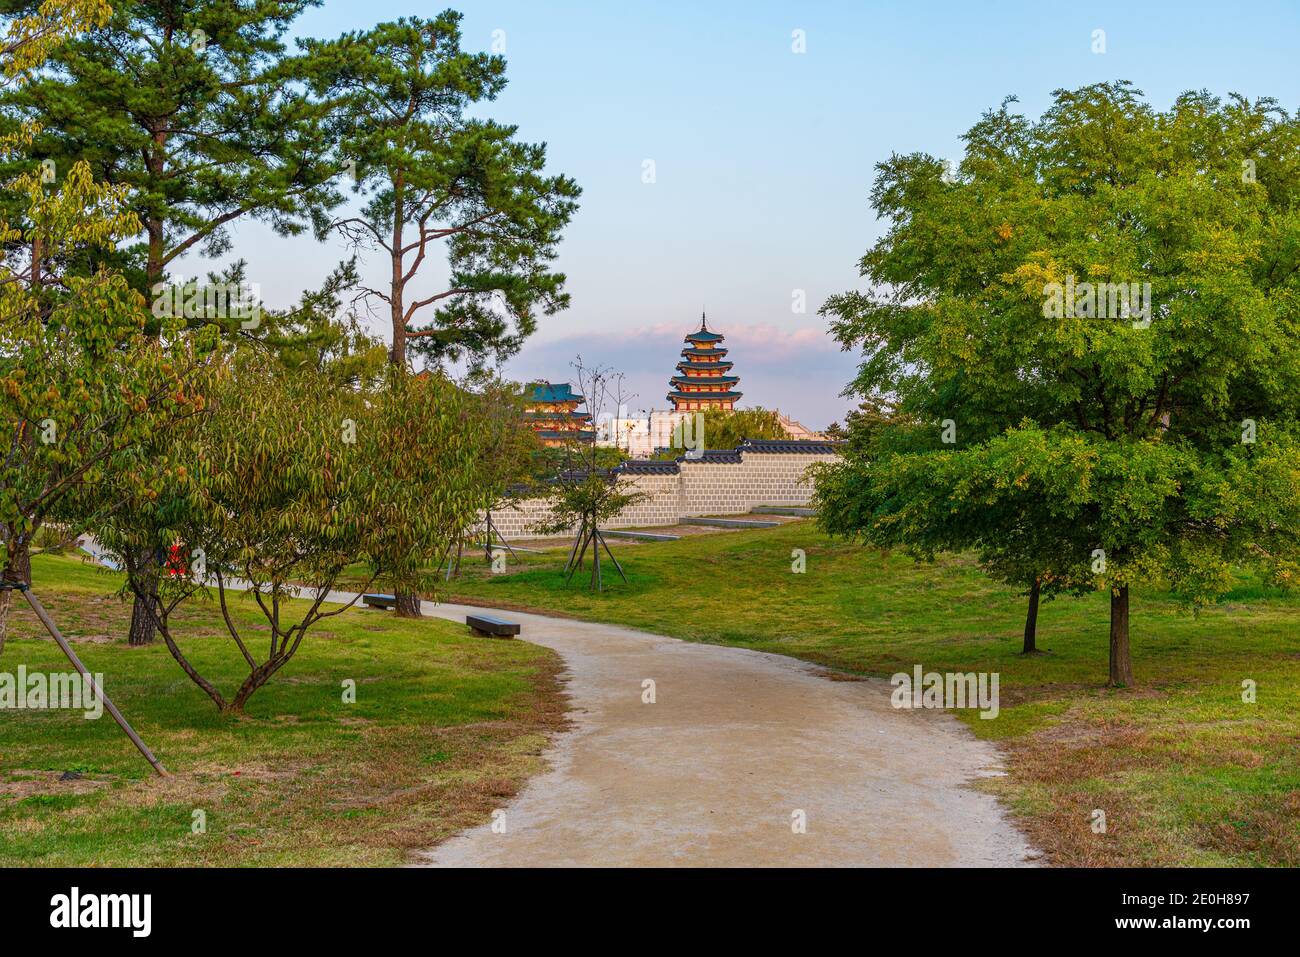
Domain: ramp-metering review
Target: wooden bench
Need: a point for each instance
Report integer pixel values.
(488, 626)
(379, 601)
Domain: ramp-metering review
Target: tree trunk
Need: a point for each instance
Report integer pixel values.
(20, 569)
(13, 571)
(1031, 621)
(407, 606)
(143, 571)
(1121, 663)
(256, 678)
(144, 623)
(143, 627)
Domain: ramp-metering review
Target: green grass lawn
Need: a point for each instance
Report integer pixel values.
(444, 729)
(1187, 773)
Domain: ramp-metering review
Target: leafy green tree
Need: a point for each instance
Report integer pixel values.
(1088, 328)
(440, 455)
(288, 480)
(435, 181)
(266, 492)
(29, 39)
(726, 429)
(83, 388)
(189, 105)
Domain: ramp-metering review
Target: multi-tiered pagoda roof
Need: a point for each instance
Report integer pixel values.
(552, 411)
(702, 380)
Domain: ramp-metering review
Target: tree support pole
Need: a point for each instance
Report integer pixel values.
(573, 552)
(611, 555)
(492, 528)
(62, 642)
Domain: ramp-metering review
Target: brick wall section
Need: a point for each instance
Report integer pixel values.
(728, 482)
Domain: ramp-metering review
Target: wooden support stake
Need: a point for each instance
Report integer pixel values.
(62, 642)
(611, 557)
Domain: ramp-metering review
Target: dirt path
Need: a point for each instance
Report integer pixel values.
(736, 744)
(714, 771)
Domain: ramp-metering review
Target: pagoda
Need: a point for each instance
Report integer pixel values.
(702, 381)
(552, 412)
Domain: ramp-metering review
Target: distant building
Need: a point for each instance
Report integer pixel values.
(702, 381)
(552, 411)
(797, 430)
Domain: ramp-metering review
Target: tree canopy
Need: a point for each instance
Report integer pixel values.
(435, 181)
(1090, 334)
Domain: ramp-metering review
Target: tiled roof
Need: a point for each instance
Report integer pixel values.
(705, 395)
(552, 392)
(704, 352)
(705, 366)
(804, 446)
(714, 457)
(582, 435)
(704, 379)
(704, 336)
(581, 475)
(541, 415)
(648, 467)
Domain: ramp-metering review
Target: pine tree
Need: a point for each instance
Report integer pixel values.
(435, 181)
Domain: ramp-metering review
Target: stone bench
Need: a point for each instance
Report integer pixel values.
(487, 626)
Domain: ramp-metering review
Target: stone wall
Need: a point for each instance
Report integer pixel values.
(725, 482)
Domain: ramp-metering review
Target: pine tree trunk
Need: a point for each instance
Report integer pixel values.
(1031, 621)
(407, 605)
(144, 570)
(1121, 663)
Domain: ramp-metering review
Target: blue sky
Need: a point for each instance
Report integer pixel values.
(764, 158)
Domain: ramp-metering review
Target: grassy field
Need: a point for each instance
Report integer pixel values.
(444, 729)
(1186, 772)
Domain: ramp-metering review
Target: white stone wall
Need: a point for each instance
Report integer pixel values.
(699, 488)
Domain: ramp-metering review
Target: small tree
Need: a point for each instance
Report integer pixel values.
(584, 496)
(441, 454)
(290, 480)
(82, 387)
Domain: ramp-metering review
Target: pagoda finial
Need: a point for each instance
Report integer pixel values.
(704, 323)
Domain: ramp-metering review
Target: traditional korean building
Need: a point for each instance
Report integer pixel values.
(702, 381)
(552, 411)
